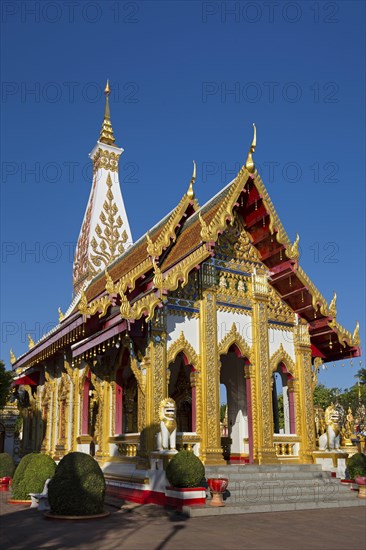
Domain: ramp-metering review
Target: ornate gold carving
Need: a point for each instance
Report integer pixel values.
(100, 304)
(318, 362)
(182, 345)
(234, 337)
(234, 244)
(168, 233)
(12, 357)
(333, 306)
(81, 271)
(356, 335)
(61, 316)
(249, 165)
(278, 309)
(292, 251)
(281, 356)
(111, 239)
(30, 342)
(190, 192)
(108, 160)
(210, 378)
(224, 213)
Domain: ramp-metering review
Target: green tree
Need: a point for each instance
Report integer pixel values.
(361, 376)
(281, 416)
(324, 396)
(6, 379)
(222, 411)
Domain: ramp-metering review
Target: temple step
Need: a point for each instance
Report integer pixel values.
(275, 488)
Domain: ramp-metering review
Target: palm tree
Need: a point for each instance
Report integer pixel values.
(361, 375)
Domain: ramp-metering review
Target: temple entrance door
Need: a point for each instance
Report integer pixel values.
(235, 441)
(181, 390)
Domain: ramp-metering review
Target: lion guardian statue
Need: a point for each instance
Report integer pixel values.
(330, 439)
(166, 438)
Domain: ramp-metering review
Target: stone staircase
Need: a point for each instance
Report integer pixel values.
(276, 488)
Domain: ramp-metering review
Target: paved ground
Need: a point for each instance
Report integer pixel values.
(151, 528)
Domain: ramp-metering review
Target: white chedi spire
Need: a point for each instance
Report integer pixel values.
(105, 232)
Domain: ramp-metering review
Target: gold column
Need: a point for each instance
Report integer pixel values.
(249, 372)
(73, 399)
(211, 451)
(305, 390)
(53, 432)
(156, 389)
(265, 449)
(106, 421)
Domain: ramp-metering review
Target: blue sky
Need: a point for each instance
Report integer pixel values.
(188, 79)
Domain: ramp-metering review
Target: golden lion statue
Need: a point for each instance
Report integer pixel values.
(168, 425)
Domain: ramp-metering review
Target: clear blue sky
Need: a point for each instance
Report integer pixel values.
(188, 80)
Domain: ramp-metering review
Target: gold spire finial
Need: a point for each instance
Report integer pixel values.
(30, 342)
(190, 192)
(333, 305)
(12, 357)
(106, 134)
(249, 165)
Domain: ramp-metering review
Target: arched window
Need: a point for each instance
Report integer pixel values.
(126, 412)
(181, 390)
(282, 401)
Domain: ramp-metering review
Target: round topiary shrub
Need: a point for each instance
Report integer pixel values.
(31, 474)
(357, 465)
(78, 487)
(7, 465)
(185, 470)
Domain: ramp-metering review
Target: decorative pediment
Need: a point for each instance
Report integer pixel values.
(281, 356)
(234, 337)
(182, 345)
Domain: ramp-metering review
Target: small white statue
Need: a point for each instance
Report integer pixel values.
(222, 282)
(168, 425)
(330, 439)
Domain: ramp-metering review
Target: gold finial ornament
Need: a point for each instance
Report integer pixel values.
(292, 251)
(333, 305)
(30, 342)
(109, 286)
(61, 316)
(249, 165)
(356, 335)
(12, 357)
(106, 134)
(190, 192)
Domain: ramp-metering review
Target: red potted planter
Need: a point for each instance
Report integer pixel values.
(4, 483)
(217, 486)
(361, 482)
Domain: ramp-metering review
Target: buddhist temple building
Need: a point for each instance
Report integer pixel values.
(211, 295)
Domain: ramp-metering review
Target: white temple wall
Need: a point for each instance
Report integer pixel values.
(243, 322)
(276, 337)
(189, 325)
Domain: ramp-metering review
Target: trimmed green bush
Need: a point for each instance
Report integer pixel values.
(357, 465)
(78, 486)
(185, 470)
(31, 474)
(7, 465)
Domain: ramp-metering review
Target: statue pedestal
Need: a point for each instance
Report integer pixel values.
(332, 461)
(159, 460)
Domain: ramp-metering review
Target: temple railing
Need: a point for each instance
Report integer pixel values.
(286, 445)
(128, 444)
(187, 441)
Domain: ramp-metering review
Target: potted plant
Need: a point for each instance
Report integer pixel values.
(7, 468)
(185, 473)
(357, 471)
(77, 489)
(30, 476)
